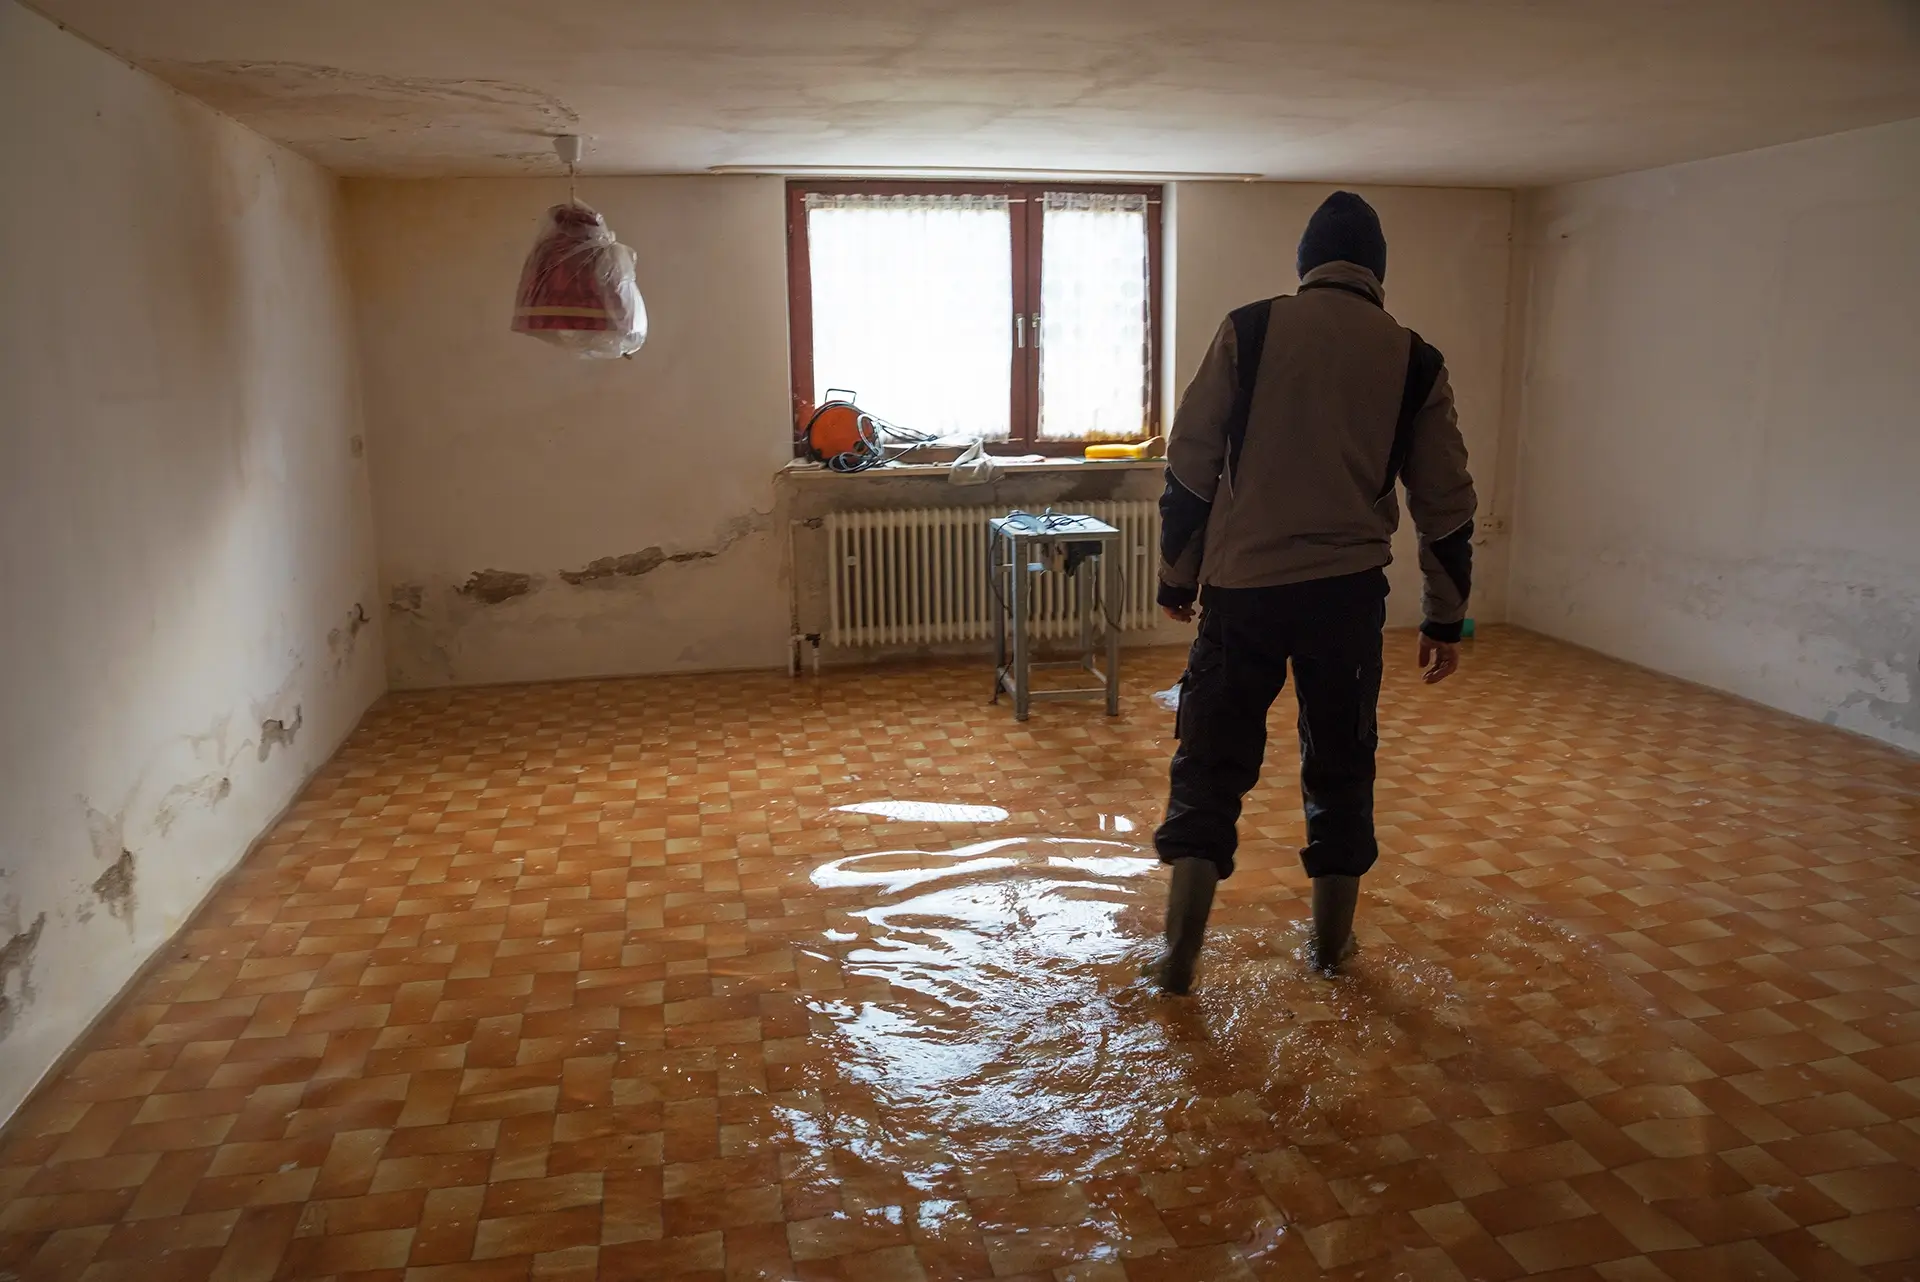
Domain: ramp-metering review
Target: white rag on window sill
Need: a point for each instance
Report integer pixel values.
(977, 467)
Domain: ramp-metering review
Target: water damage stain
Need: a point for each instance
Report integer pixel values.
(634, 564)
(277, 732)
(356, 119)
(631, 566)
(16, 973)
(491, 587)
(114, 887)
(342, 640)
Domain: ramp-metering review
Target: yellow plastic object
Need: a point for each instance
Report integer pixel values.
(1153, 448)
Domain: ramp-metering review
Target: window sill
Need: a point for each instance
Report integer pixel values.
(799, 470)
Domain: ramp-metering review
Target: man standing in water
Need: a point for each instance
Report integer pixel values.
(1279, 515)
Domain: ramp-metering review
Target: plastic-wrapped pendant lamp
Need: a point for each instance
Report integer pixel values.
(577, 290)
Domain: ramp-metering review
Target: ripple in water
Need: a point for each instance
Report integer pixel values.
(993, 1016)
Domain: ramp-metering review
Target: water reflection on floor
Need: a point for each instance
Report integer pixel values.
(746, 979)
(994, 1031)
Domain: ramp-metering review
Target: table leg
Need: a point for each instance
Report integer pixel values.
(1017, 595)
(997, 594)
(1110, 605)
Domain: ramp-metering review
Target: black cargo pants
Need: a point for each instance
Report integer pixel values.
(1330, 631)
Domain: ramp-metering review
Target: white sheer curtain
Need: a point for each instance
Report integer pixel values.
(912, 308)
(1093, 303)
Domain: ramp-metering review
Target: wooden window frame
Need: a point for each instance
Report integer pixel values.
(1024, 267)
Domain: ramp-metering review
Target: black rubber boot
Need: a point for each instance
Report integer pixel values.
(1334, 899)
(1189, 901)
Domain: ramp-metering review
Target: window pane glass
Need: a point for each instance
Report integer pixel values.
(913, 306)
(1093, 307)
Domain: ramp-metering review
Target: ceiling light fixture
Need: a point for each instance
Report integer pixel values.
(962, 172)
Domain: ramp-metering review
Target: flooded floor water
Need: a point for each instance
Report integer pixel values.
(747, 979)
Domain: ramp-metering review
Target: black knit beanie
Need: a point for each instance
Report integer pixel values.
(1344, 230)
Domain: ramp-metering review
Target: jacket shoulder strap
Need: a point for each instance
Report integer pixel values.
(1423, 370)
(1249, 341)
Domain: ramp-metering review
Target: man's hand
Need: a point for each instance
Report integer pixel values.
(1178, 613)
(1440, 659)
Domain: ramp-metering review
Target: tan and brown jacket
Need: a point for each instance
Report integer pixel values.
(1286, 472)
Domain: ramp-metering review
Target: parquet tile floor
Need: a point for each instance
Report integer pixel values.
(605, 979)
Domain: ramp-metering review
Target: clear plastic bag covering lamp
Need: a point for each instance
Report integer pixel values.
(577, 290)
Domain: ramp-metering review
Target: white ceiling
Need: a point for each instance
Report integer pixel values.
(1473, 92)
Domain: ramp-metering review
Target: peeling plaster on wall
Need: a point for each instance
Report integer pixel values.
(630, 566)
(433, 623)
(1827, 622)
(276, 732)
(345, 118)
(536, 462)
(107, 833)
(635, 564)
(495, 586)
(115, 887)
(342, 640)
(1717, 433)
(16, 970)
(205, 792)
(201, 486)
(498, 453)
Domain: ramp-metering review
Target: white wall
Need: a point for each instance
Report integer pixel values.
(495, 452)
(1448, 254)
(185, 528)
(1721, 425)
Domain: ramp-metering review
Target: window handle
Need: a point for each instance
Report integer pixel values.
(1036, 331)
(1019, 329)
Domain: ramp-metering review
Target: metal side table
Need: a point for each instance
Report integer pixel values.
(1015, 547)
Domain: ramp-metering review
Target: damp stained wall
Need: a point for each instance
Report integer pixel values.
(545, 516)
(542, 516)
(1448, 254)
(1720, 425)
(186, 545)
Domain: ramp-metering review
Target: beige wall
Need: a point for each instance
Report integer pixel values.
(1721, 447)
(494, 452)
(1447, 266)
(187, 547)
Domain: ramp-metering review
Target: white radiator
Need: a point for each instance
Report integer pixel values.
(919, 575)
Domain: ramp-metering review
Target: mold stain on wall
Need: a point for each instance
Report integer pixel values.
(16, 971)
(633, 565)
(115, 887)
(276, 732)
(630, 566)
(492, 587)
(341, 640)
(345, 119)
(208, 792)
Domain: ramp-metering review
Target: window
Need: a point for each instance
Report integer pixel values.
(1021, 314)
